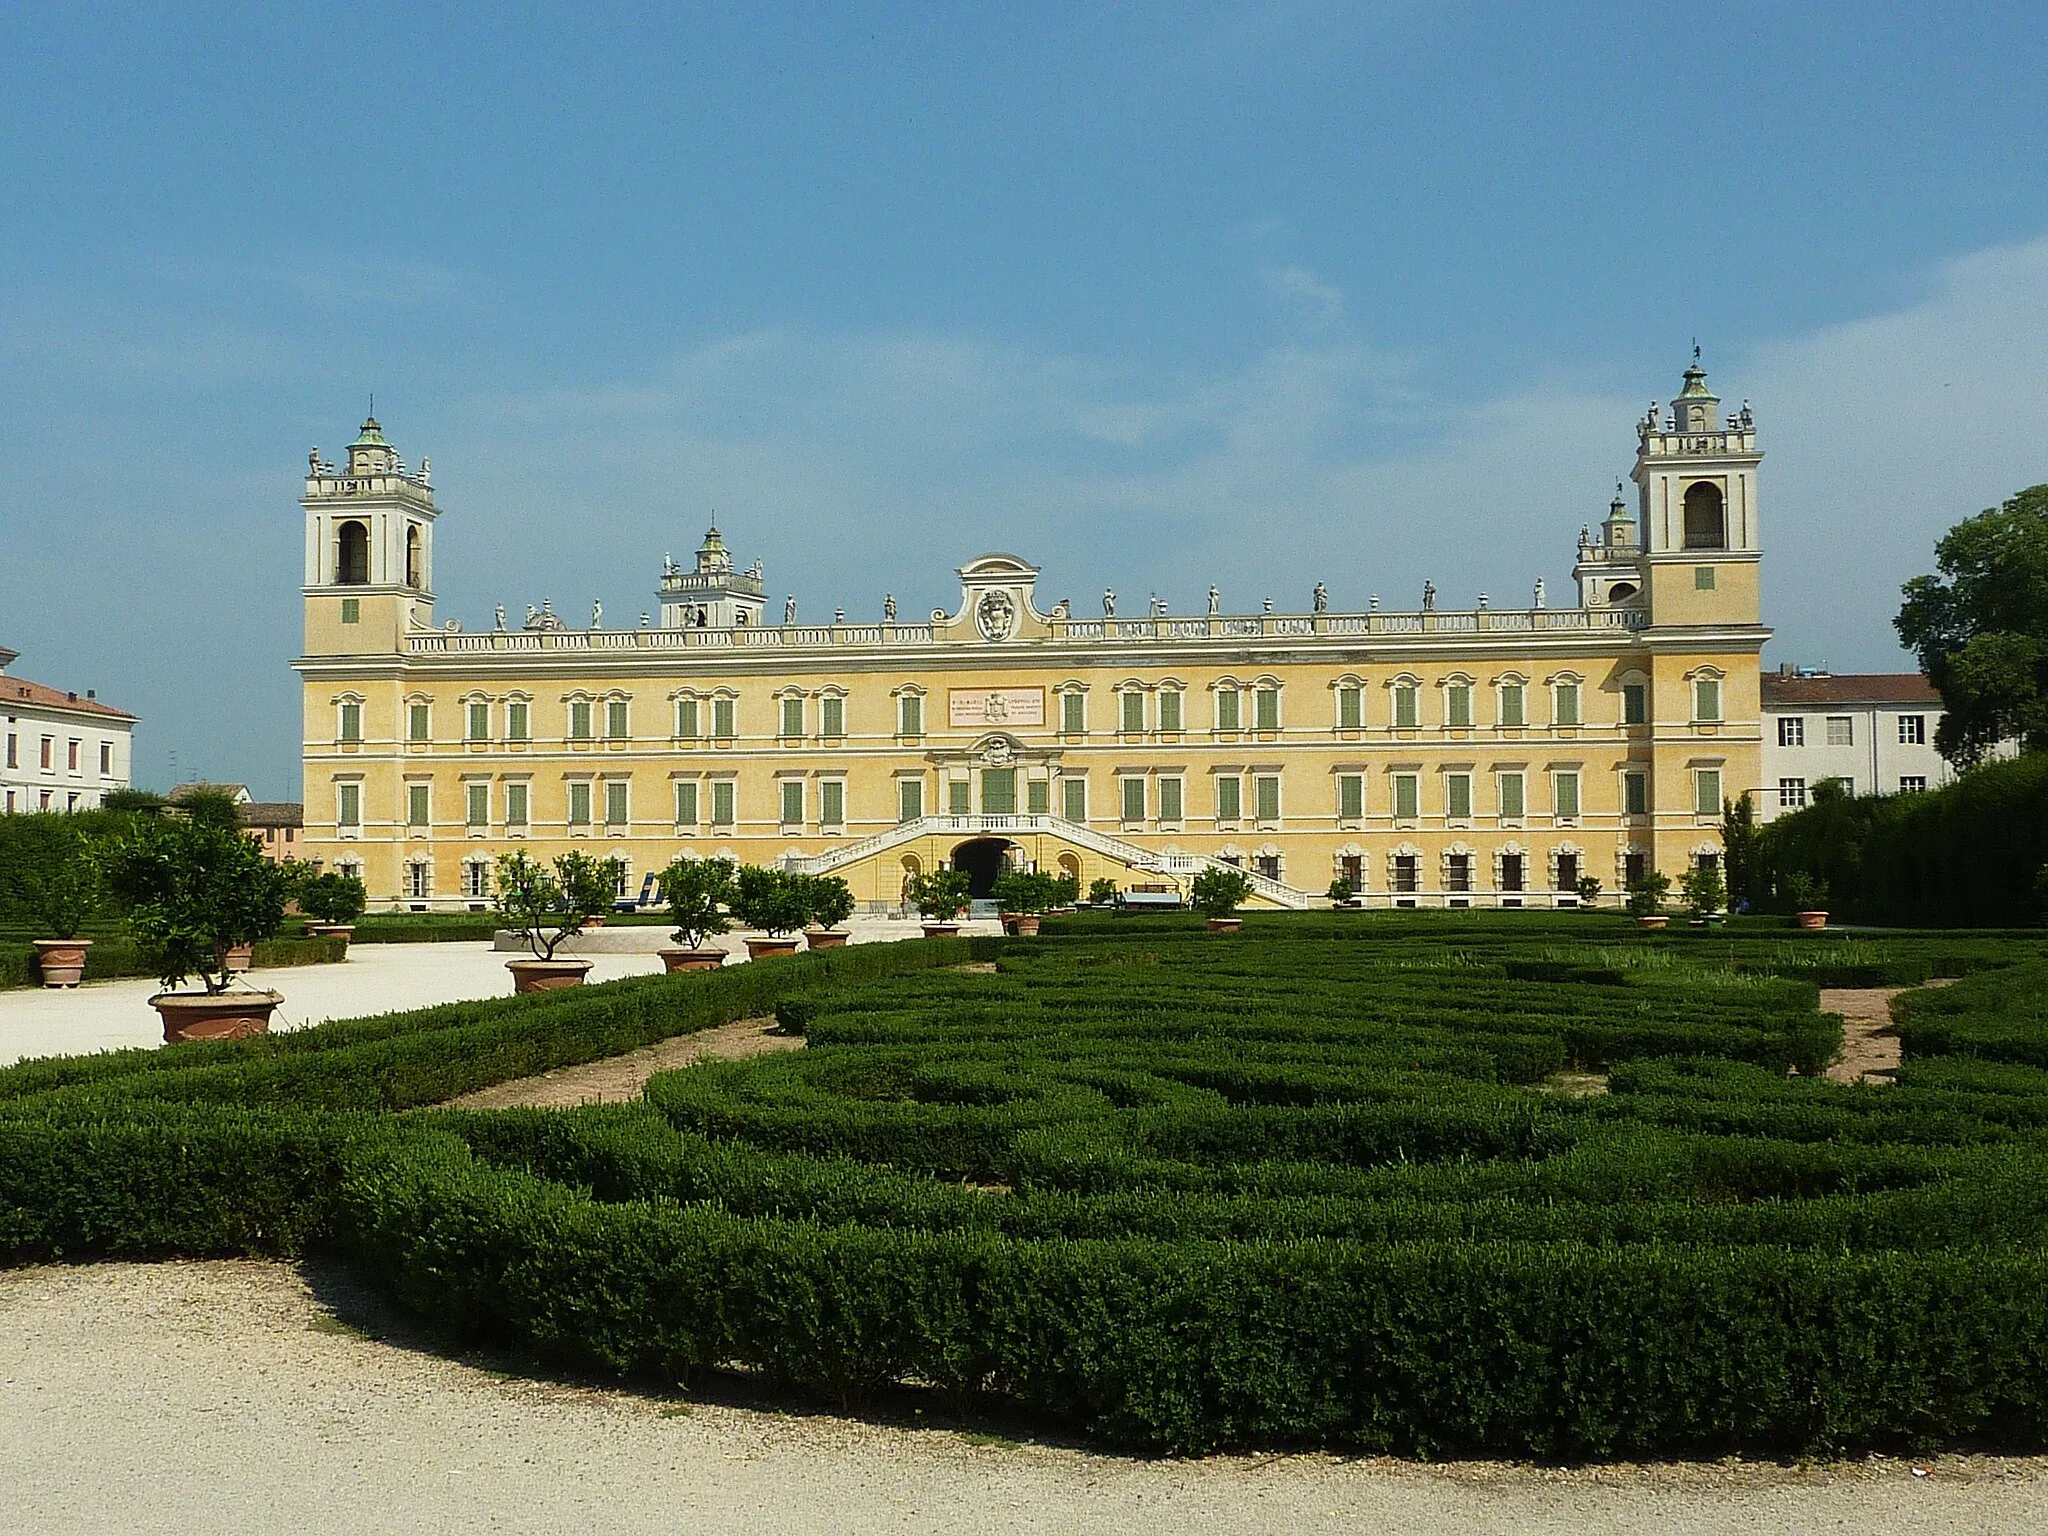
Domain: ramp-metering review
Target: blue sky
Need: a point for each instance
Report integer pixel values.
(1152, 295)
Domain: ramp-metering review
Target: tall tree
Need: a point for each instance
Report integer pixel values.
(1980, 628)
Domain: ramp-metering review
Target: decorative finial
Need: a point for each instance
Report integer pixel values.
(1695, 350)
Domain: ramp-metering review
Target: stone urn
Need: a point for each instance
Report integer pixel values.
(241, 957)
(941, 930)
(1223, 924)
(767, 946)
(826, 938)
(1653, 922)
(214, 1015)
(546, 975)
(1810, 919)
(675, 958)
(62, 961)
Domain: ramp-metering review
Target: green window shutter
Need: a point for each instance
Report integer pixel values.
(579, 804)
(1350, 709)
(351, 805)
(833, 710)
(999, 791)
(1634, 704)
(1510, 703)
(515, 805)
(686, 802)
(1703, 578)
(1169, 710)
(909, 799)
(1566, 794)
(792, 802)
(416, 728)
(910, 715)
(351, 610)
(1038, 797)
(1074, 798)
(832, 803)
(579, 720)
(1073, 713)
(1269, 798)
(1458, 794)
(1268, 702)
(1350, 796)
(479, 805)
(1567, 703)
(1133, 792)
(958, 793)
(686, 719)
(615, 719)
(722, 718)
(1228, 705)
(1169, 799)
(1133, 705)
(1511, 794)
(515, 721)
(1635, 794)
(793, 715)
(615, 803)
(479, 722)
(1229, 799)
(1706, 786)
(351, 722)
(1458, 704)
(1708, 703)
(417, 805)
(1405, 796)
(1404, 706)
(722, 802)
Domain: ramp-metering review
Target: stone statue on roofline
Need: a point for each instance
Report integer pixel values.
(1109, 602)
(1215, 600)
(1322, 598)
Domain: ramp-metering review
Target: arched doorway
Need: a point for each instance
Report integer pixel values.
(982, 860)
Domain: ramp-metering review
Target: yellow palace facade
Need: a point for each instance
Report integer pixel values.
(1483, 757)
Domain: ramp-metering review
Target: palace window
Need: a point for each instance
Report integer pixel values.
(476, 878)
(1566, 711)
(722, 713)
(1511, 795)
(1229, 798)
(909, 799)
(579, 803)
(417, 805)
(1405, 873)
(686, 719)
(1706, 698)
(1635, 704)
(515, 804)
(1407, 796)
(615, 724)
(792, 802)
(1350, 796)
(579, 720)
(1350, 708)
(1791, 731)
(959, 794)
(792, 716)
(1912, 730)
(349, 805)
(516, 721)
(1407, 708)
(1266, 796)
(351, 722)
(722, 797)
(686, 802)
(1229, 709)
(419, 879)
(1132, 789)
(1074, 712)
(1706, 792)
(1567, 872)
(1038, 797)
(1169, 799)
(1634, 866)
(1511, 710)
(1564, 796)
(1841, 730)
(1458, 795)
(615, 802)
(1635, 794)
(832, 715)
(478, 807)
(1267, 701)
(1133, 710)
(1458, 872)
(479, 715)
(1703, 578)
(832, 803)
(1458, 704)
(999, 791)
(1351, 868)
(1512, 871)
(1169, 709)
(417, 722)
(910, 715)
(351, 610)
(1074, 797)
(1791, 794)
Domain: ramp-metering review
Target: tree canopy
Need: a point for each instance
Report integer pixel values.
(1980, 628)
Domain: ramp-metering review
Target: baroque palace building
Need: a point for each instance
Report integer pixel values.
(1485, 757)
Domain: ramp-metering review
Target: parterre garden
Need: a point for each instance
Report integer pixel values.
(1436, 1183)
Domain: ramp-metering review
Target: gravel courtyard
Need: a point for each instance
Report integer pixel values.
(225, 1396)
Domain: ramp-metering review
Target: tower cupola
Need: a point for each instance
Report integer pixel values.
(369, 548)
(714, 595)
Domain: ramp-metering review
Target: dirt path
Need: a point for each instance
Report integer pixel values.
(1870, 1050)
(141, 1399)
(618, 1079)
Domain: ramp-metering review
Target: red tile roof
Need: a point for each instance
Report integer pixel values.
(1850, 688)
(19, 690)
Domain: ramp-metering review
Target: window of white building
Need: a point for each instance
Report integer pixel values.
(1791, 730)
(1913, 731)
(1841, 730)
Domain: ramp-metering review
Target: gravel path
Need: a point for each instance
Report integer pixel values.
(225, 1397)
(1870, 1047)
(618, 1079)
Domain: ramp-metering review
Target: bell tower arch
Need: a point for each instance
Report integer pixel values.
(1696, 490)
(369, 573)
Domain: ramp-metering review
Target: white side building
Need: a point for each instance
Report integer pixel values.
(59, 750)
(1873, 731)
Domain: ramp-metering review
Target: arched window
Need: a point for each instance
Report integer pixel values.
(352, 554)
(1705, 525)
(414, 554)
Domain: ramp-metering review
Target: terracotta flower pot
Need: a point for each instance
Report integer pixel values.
(1223, 924)
(1652, 922)
(214, 1015)
(241, 957)
(941, 930)
(594, 922)
(1810, 919)
(826, 938)
(546, 975)
(1022, 925)
(62, 960)
(766, 947)
(677, 959)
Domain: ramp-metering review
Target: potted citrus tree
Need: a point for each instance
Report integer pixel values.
(695, 890)
(57, 884)
(1066, 893)
(1588, 890)
(1102, 892)
(1646, 899)
(940, 897)
(333, 901)
(832, 903)
(1340, 892)
(777, 902)
(1022, 898)
(195, 891)
(545, 905)
(1217, 894)
(1705, 892)
(1809, 898)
